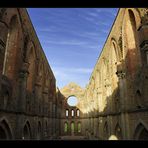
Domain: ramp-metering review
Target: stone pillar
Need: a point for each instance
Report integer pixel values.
(108, 97)
(45, 101)
(123, 103)
(53, 119)
(37, 96)
(22, 87)
(50, 119)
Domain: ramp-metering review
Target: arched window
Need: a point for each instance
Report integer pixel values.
(5, 132)
(30, 57)
(11, 62)
(27, 131)
(78, 112)
(72, 128)
(141, 133)
(79, 127)
(72, 112)
(67, 112)
(118, 132)
(131, 42)
(65, 127)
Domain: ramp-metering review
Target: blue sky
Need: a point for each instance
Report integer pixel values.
(72, 39)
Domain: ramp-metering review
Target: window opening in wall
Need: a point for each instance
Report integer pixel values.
(78, 113)
(72, 101)
(72, 128)
(79, 127)
(72, 112)
(66, 127)
(66, 112)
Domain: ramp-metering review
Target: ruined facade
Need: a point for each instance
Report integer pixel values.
(28, 95)
(114, 104)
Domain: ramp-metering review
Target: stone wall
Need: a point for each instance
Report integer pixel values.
(28, 99)
(116, 97)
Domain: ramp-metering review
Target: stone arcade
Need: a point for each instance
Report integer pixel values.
(114, 104)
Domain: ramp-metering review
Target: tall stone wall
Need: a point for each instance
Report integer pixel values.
(28, 97)
(115, 100)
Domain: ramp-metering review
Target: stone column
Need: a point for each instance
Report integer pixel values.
(50, 118)
(37, 96)
(45, 100)
(123, 104)
(22, 87)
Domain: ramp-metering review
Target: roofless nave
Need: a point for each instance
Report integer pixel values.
(114, 105)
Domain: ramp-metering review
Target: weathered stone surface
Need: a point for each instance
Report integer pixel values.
(114, 104)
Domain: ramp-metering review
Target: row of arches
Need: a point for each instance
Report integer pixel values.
(121, 58)
(140, 133)
(23, 63)
(73, 113)
(72, 127)
(6, 132)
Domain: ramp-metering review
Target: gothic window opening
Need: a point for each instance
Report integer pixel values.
(118, 132)
(79, 127)
(78, 113)
(141, 133)
(67, 112)
(27, 132)
(65, 127)
(131, 43)
(72, 112)
(72, 128)
(11, 64)
(5, 133)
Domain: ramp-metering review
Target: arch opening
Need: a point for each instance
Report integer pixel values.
(141, 133)
(26, 132)
(5, 132)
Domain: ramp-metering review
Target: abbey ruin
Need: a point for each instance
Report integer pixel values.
(114, 104)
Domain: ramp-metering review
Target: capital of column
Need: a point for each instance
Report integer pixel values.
(120, 74)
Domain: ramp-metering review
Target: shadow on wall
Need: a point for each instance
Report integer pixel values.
(130, 95)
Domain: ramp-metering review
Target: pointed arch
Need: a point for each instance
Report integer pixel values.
(118, 131)
(72, 127)
(27, 131)
(11, 64)
(131, 50)
(30, 58)
(141, 132)
(79, 127)
(78, 113)
(66, 127)
(67, 112)
(105, 131)
(5, 130)
(114, 45)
